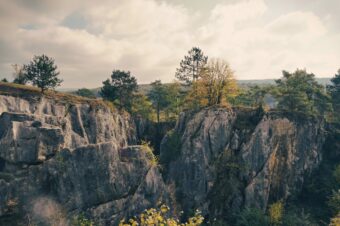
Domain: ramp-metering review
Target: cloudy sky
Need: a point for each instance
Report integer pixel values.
(88, 39)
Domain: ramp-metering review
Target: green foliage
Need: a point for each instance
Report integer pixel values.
(297, 218)
(174, 95)
(334, 91)
(42, 72)
(81, 220)
(252, 217)
(336, 174)
(85, 93)
(120, 89)
(171, 148)
(4, 80)
(142, 107)
(334, 202)
(254, 96)
(299, 92)
(158, 97)
(149, 153)
(166, 100)
(191, 66)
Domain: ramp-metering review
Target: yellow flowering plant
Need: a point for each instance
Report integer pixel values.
(160, 217)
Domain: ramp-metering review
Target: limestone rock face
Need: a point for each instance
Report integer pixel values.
(74, 158)
(230, 159)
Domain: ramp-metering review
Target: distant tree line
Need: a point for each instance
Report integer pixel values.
(201, 82)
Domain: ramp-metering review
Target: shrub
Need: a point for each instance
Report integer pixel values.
(149, 153)
(276, 213)
(334, 202)
(161, 216)
(252, 217)
(81, 220)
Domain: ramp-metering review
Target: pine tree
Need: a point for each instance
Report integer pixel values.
(191, 66)
(120, 89)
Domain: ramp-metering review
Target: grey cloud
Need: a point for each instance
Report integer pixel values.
(149, 37)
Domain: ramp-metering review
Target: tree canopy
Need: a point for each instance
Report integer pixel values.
(300, 92)
(218, 82)
(120, 89)
(158, 97)
(42, 72)
(191, 65)
(85, 93)
(334, 91)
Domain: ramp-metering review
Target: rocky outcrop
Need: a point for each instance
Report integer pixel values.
(228, 159)
(74, 158)
(59, 159)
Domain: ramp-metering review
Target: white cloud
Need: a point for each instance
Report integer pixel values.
(149, 38)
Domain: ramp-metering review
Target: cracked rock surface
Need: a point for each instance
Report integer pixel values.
(229, 159)
(75, 158)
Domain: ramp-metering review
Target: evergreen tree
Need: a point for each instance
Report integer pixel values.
(334, 91)
(191, 66)
(300, 92)
(120, 89)
(158, 97)
(42, 72)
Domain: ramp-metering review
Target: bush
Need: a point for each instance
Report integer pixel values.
(252, 217)
(334, 202)
(276, 213)
(81, 220)
(161, 216)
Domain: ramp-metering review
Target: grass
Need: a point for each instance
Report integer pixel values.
(33, 93)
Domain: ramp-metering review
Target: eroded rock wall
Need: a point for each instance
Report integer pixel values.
(229, 159)
(73, 158)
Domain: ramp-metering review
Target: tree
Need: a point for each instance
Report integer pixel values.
(4, 80)
(19, 75)
(175, 96)
(216, 84)
(42, 72)
(158, 97)
(191, 66)
(142, 107)
(334, 202)
(218, 81)
(120, 89)
(300, 92)
(334, 91)
(85, 93)
(255, 96)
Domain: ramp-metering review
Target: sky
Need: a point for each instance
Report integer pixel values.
(89, 39)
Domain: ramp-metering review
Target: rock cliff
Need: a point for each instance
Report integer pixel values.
(226, 160)
(59, 159)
